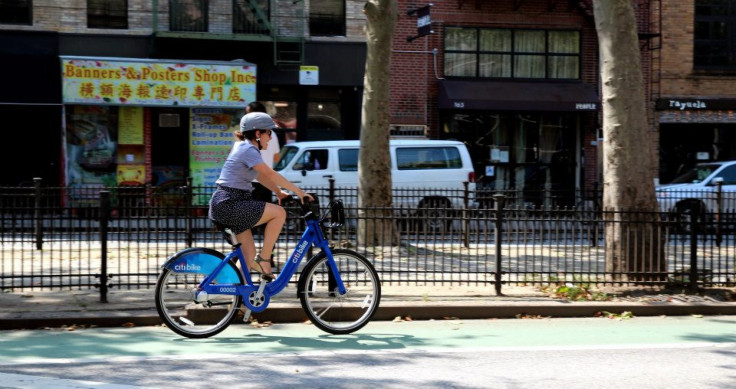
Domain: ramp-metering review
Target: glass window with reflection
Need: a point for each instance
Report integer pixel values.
(327, 17)
(16, 12)
(714, 45)
(507, 53)
(251, 16)
(188, 15)
(107, 14)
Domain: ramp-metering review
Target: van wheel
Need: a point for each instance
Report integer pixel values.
(435, 215)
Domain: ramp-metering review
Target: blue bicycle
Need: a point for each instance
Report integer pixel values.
(199, 290)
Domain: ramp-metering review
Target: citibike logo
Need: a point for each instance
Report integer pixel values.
(187, 267)
(300, 251)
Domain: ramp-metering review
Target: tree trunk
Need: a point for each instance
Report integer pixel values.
(375, 221)
(634, 243)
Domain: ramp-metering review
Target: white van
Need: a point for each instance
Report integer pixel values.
(424, 173)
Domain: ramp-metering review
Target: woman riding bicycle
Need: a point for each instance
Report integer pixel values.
(232, 205)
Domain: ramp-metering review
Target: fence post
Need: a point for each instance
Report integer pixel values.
(596, 211)
(465, 229)
(332, 190)
(104, 215)
(188, 212)
(694, 227)
(719, 201)
(38, 226)
(498, 203)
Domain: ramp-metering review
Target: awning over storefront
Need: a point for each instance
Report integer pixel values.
(687, 117)
(517, 96)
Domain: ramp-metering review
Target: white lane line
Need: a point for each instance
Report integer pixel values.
(318, 353)
(35, 382)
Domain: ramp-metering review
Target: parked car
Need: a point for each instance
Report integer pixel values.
(695, 193)
(427, 175)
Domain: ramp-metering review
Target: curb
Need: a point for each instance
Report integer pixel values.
(290, 313)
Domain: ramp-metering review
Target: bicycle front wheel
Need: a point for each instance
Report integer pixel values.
(188, 315)
(325, 307)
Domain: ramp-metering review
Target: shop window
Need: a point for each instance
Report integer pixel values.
(532, 154)
(251, 16)
(107, 14)
(284, 114)
(188, 15)
(16, 12)
(324, 121)
(715, 35)
(505, 53)
(327, 17)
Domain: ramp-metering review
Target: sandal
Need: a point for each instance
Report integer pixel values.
(256, 266)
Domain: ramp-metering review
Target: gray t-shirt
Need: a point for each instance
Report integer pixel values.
(238, 172)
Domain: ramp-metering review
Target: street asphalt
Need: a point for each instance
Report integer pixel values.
(28, 309)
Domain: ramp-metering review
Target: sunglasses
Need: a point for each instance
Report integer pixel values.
(266, 132)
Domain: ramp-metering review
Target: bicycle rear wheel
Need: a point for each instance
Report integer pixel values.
(325, 307)
(176, 304)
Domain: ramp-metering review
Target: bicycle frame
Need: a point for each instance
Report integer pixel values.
(313, 235)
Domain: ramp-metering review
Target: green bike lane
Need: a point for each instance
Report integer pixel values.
(69, 344)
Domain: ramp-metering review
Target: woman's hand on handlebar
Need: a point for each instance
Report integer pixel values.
(280, 195)
(304, 196)
(285, 196)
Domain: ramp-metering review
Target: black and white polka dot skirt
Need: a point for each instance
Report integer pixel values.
(235, 209)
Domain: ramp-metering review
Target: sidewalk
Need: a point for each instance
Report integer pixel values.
(32, 309)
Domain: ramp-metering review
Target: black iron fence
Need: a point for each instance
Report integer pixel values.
(118, 237)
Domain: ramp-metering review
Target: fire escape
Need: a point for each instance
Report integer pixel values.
(282, 22)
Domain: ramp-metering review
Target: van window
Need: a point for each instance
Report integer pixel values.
(411, 158)
(313, 159)
(287, 154)
(348, 160)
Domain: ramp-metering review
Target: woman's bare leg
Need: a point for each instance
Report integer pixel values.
(274, 216)
(247, 246)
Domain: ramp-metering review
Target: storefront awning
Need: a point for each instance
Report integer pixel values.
(517, 96)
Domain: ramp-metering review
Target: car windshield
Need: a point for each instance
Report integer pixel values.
(287, 154)
(695, 175)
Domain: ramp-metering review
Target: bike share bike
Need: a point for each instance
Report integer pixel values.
(199, 290)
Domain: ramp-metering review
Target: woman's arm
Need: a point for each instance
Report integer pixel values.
(273, 180)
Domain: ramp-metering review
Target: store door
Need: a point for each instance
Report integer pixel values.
(169, 146)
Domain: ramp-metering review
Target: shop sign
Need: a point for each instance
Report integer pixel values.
(686, 104)
(123, 81)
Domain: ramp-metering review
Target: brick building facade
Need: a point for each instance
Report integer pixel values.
(532, 132)
(537, 132)
(695, 92)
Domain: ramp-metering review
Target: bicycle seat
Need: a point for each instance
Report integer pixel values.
(227, 233)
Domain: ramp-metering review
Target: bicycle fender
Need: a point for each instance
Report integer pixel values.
(199, 260)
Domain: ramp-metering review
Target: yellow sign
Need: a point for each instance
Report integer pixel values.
(144, 83)
(130, 125)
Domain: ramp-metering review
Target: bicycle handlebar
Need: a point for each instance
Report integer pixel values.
(305, 206)
(334, 210)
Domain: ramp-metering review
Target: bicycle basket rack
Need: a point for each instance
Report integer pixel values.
(336, 213)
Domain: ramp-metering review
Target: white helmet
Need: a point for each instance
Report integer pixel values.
(256, 121)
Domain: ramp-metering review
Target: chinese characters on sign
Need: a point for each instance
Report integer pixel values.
(100, 81)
